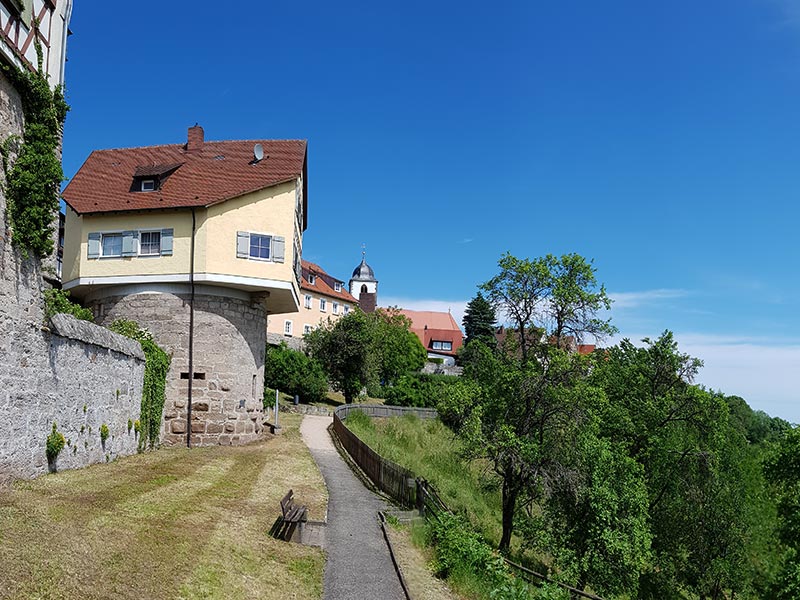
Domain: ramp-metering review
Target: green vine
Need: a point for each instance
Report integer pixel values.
(155, 380)
(57, 301)
(33, 182)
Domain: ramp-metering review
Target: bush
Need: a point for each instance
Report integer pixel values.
(419, 389)
(294, 373)
(104, 433)
(57, 301)
(54, 445)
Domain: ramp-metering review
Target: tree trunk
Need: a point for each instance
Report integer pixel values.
(510, 493)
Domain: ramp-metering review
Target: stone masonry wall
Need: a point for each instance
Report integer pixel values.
(77, 375)
(229, 343)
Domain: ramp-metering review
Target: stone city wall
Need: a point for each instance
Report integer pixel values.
(76, 374)
(228, 363)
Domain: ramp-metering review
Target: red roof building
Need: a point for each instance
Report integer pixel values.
(438, 332)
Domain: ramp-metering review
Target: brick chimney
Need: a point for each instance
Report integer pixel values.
(195, 139)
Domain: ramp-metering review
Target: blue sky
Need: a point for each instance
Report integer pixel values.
(659, 140)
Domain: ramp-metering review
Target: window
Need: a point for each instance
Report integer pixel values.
(260, 245)
(336, 308)
(437, 345)
(312, 279)
(322, 304)
(306, 329)
(112, 244)
(148, 185)
(130, 243)
(337, 286)
(308, 301)
(149, 243)
(287, 328)
(346, 309)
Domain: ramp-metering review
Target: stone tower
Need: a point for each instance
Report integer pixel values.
(364, 286)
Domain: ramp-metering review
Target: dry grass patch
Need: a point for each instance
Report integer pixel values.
(168, 524)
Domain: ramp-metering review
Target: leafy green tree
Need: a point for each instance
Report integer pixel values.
(479, 321)
(343, 348)
(395, 349)
(295, 373)
(782, 468)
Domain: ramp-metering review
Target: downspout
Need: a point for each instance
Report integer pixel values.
(191, 335)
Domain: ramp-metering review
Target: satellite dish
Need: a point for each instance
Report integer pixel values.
(258, 152)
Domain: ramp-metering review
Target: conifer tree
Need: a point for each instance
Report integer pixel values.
(479, 320)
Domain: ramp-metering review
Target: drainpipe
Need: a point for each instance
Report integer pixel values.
(191, 336)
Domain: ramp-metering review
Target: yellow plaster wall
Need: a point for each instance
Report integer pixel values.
(307, 316)
(270, 211)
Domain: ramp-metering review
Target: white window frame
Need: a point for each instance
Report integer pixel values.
(103, 236)
(336, 308)
(287, 327)
(307, 328)
(312, 279)
(269, 247)
(337, 287)
(309, 301)
(442, 345)
(323, 305)
(139, 242)
(346, 309)
(148, 188)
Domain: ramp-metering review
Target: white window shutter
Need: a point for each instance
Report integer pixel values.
(278, 248)
(129, 243)
(242, 244)
(94, 245)
(166, 242)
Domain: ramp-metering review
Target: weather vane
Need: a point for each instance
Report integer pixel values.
(363, 251)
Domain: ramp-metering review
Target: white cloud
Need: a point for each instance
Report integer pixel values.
(643, 298)
(455, 307)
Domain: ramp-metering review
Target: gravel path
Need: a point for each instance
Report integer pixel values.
(359, 566)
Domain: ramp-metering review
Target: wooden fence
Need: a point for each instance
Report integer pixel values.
(403, 486)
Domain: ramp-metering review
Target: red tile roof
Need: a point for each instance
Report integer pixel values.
(430, 326)
(218, 172)
(324, 283)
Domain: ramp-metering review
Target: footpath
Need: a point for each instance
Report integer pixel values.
(359, 566)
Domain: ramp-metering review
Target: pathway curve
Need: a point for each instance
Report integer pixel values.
(359, 566)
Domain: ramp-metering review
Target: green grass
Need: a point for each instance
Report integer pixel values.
(431, 450)
(174, 523)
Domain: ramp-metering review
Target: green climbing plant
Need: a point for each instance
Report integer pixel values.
(54, 444)
(34, 178)
(157, 363)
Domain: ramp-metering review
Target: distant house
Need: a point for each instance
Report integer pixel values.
(322, 297)
(438, 332)
(195, 241)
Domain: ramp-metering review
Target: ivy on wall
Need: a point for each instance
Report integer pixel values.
(157, 363)
(34, 179)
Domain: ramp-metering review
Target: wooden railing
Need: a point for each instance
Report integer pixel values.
(403, 486)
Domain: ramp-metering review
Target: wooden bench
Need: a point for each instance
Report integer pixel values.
(292, 513)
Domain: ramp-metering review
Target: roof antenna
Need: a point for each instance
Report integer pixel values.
(258, 153)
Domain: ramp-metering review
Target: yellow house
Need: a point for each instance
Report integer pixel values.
(322, 297)
(203, 233)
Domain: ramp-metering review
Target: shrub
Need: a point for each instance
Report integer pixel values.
(54, 445)
(103, 433)
(294, 373)
(419, 389)
(57, 301)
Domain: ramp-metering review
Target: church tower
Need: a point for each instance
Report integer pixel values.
(364, 286)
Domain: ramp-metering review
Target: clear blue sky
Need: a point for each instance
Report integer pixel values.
(661, 140)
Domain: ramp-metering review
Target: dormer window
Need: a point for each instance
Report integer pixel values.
(148, 185)
(337, 286)
(149, 178)
(312, 279)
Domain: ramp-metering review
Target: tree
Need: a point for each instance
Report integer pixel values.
(295, 373)
(552, 296)
(343, 348)
(479, 321)
(395, 349)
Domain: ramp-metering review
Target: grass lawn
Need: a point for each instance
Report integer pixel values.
(431, 450)
(174, 523)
